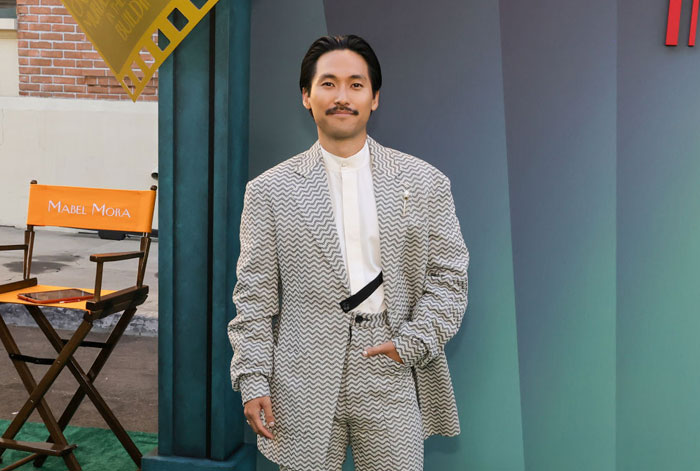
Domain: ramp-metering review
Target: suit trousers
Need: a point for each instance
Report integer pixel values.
(377, 411)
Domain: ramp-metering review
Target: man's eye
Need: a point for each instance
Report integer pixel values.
(326, 83)
(357, 85)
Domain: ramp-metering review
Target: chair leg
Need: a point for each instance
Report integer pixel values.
(86, 380)
(21, 462)
(36, 398)
(94, 371)
(98, 364)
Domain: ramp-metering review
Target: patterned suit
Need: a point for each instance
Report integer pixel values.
(290, 336)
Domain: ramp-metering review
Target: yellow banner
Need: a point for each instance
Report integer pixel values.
(122, 32)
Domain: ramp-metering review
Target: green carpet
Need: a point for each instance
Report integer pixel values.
(98, 449)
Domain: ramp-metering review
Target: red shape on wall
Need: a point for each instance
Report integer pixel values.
(693, 23)
(674, 19)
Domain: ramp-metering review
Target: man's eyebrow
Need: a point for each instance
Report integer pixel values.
(331, 76)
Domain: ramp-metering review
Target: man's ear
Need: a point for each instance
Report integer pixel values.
(305, 99)
(375, 101)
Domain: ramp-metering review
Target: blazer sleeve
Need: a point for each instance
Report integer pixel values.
(255, 296)
(438, 312)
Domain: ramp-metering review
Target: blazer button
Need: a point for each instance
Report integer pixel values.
(359, 319)
(345, 306)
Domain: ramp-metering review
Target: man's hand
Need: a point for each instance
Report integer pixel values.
(387, 348)
(252, 409)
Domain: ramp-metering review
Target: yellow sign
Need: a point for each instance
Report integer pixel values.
(122, 31)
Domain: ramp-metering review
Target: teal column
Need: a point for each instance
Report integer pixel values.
(203, 168)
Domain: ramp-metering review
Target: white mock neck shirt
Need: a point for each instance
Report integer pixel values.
(352, 196)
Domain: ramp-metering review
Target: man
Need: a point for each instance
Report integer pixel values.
(352, 277)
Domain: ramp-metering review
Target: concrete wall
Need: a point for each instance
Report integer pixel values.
(96, 143)
(68, 142)
(9, 66)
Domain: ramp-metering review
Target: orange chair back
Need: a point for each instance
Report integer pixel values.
(91, 208)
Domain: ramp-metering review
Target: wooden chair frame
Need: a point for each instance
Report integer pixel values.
(125, 301)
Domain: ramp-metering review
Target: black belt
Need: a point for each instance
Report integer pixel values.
(356, 299)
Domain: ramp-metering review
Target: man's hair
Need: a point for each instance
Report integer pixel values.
(335, 43)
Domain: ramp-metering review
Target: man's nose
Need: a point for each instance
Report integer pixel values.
(342, 95)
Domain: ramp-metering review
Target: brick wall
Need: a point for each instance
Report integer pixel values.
(57, 60)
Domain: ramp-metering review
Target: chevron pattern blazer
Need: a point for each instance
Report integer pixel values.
(289, 335)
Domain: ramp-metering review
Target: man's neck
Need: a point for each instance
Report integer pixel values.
(343, 147)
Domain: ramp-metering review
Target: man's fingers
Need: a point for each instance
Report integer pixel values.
(249, 420)
(372, 351)
(259, 428)
(252, 413)
(386, 348)
(267, 409)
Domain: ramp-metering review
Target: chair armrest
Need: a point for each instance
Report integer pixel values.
(114, 257)
(14, 286)
(117, 301)
(100, 258)
(14, 247)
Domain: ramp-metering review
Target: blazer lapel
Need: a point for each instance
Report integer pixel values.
(388, 196)
(314, 201)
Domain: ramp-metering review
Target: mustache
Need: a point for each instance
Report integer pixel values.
(338, 108)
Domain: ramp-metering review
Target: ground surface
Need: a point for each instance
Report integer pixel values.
(128, 383)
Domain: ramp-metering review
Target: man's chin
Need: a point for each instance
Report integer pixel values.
(341, 133)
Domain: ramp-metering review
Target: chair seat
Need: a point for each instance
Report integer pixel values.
(11, 297)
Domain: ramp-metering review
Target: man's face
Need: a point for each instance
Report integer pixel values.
(341, 94)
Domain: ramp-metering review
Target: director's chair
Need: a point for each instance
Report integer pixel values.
(84, 208)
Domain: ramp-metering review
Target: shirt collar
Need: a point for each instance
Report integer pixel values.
(355, 161)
